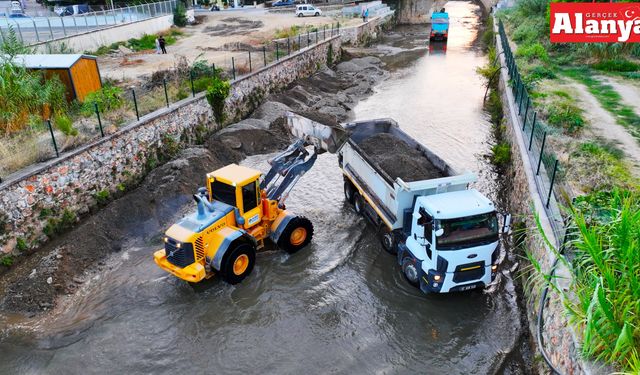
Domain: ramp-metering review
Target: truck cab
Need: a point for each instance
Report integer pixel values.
(453, 244)
(439, 26)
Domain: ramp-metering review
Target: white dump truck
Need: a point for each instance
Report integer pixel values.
(445, 235)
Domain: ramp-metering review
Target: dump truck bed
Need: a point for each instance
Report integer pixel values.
(392, 197)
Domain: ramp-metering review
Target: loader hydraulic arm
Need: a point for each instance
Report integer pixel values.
(286, 169)
(291, 164)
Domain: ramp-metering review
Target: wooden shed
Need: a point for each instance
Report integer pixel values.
(79, 73)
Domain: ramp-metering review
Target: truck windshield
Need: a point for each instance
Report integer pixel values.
(468, 231)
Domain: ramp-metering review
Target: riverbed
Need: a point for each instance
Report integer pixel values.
(340, 305)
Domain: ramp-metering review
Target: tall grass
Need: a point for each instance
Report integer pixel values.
(604, 300)
(24, 93)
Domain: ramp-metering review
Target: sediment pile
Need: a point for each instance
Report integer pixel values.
(398, 159)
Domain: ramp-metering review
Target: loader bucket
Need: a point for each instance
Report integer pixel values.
(323, 137)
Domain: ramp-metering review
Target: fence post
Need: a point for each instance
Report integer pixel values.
(193, 89)
(533, 127)
(288, 47)
(331, 28)
(522, 92)
(233, 67)
(35, 27)
(19, 31)
(277, 52)
(299, 43)
(50, 29)
(308, 40)
(250, 67)
(95, 105)
(75, 24)
(213, 70)
(53, 138)
(64, 29)
(1, 36)
(264, 54)
(166, 95)
(135, 103)
(526, 112)
(553, 179)
(324, 32)
(95, 14)
(544, 140)
(316, 35)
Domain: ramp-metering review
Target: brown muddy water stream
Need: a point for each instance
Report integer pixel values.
(339, 306)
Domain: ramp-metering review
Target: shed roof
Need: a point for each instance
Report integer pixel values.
(59, 61)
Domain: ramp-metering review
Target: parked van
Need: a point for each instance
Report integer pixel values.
(307, 10)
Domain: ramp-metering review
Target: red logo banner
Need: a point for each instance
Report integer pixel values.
(595, 22)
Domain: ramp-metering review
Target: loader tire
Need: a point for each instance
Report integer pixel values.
(239, 263)
(410, 271)
(296, 235)
(358, 203)
(349, 191)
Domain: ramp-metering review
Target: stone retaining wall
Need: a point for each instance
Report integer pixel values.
(34, 200)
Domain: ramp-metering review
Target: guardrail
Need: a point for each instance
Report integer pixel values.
(35, 30)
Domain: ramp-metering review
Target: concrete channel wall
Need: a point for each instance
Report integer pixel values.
(561, 342)
(94, 39)
(74, 181)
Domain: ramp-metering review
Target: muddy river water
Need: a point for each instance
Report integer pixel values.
(339, 306)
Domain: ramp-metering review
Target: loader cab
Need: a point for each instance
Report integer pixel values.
(239, 187)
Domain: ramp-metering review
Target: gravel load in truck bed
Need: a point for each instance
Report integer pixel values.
(398, 159)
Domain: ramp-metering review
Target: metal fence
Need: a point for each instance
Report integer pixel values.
(42, 29)
(549, 173)
(46, 140)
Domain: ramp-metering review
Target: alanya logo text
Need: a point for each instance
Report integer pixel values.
(595, 22)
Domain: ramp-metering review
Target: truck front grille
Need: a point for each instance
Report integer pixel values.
(180, 257)
(469, 272)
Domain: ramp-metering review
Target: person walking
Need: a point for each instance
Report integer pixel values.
(364, 19)
(158, 50)
(366, 14)
(163, 44)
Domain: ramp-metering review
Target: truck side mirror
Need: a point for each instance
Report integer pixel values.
(506, 224)
(439, 232)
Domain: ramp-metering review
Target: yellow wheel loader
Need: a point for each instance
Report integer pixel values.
(240, 209)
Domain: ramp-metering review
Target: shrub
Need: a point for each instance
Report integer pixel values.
(21, 244)
(180, 15)
(501, 154)
(566, 115)
(107, 98)
(217, 93)
(25, 93)
(56, 226)
(64, 124)
(598, 167)
(617, 65)
(533, 51)
(102, 197)
(7, 260)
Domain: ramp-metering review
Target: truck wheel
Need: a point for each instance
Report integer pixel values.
(299, 14)
(296, 235)
(349, 191)
(317, 14)
(358, 203)
(410, 271)
(239, 263)
(388, 240)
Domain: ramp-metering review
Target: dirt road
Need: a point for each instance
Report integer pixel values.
(219, 37)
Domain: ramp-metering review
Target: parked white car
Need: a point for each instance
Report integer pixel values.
(307, 10)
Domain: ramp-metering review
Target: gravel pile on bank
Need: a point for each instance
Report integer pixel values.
(398, 159)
